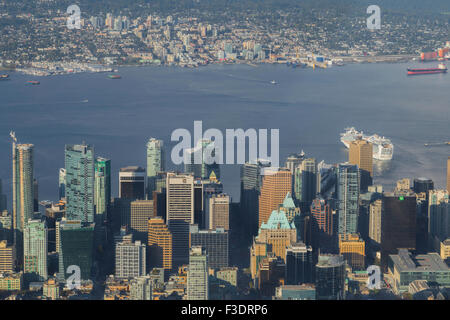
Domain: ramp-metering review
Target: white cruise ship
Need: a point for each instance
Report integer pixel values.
(383, 149)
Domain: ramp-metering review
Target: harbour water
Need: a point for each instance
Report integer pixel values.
(309, 107)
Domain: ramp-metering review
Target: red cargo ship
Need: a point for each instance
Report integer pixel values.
(440, 69)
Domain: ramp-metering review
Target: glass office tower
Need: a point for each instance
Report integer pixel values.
(347, 192)
(79, 161)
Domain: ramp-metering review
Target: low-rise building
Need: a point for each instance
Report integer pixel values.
(405, 268)
(11, 281)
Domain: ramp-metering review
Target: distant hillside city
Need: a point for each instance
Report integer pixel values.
(36, 39)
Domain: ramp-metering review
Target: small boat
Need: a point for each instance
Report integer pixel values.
(114, 76)
(4, 76)
(273, 82)
(33, 82)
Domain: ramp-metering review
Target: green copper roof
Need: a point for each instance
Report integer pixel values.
(288, 201)
(277, 220)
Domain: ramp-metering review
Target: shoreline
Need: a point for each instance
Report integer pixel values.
(345, 60)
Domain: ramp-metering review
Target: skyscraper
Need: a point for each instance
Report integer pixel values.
(398, 224)
(448, 174)
(375, 214)
(23, 196)
(79, 160)
(62, 183)
(75, 244)
(180, 214)
(218, 212)
(330, 277)
(35, 250)
(251, 180)
(294, 160)
(214, 242)
(438, 217)
(159, 244)
(132, 183)
(273, 191)
(352, 248)
(197, 277)
(306, 182)
(2, 198)
(155, 163)
(130, 260)
(299, 264)
(199, 160)
(361, 154)
(347, 192)
(322, 215)
(422, 185)
(102, 188)
(322, 223)
(141, 211)
(35, 195)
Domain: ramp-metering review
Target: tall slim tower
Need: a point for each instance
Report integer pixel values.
(2, 198)
(159, 244)
(141, 211)
(307, 182)
(62, 183)
(197, 277)
(273, 191)
(299, 264)
(102, 188)
(347, 192)
(361, 154)
(218, 211)
(251, 180)
(23, 195)
(35, 250)
(155, 163)
(448, 174)
(197, 160)
(132, 183)
(79, 161)
(180, 214)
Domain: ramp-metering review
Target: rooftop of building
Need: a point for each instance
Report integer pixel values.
(298, 287)
(14, 275)
(405, 262)
(330, 260)
(288, 201)
(78, 147)
(132, 169)
(24, 146)
(277, 220)
(299, 247)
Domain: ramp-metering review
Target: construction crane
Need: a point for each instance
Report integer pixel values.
(12, 134)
